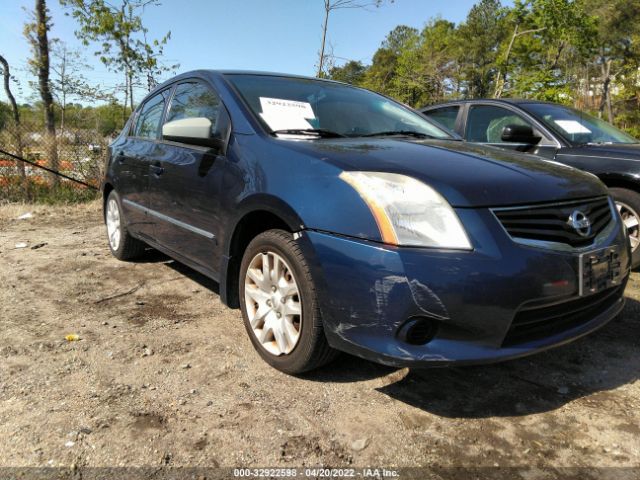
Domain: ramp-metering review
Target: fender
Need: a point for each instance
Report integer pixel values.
(258, 202)
(621, 180)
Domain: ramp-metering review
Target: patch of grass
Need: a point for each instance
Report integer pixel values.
(13, 190)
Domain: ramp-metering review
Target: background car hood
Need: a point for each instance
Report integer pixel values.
(616, 151)
(466, 175)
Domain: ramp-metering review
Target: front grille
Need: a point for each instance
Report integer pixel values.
(551, 222)
(535, 323)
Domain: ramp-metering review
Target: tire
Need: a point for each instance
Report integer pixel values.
(122, 245)
(628, 203)
(292, 343)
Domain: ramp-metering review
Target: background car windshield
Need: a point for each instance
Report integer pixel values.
(578, 127)
(283, 103)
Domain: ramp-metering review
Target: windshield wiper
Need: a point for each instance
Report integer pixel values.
(408, 133)
(316, 132)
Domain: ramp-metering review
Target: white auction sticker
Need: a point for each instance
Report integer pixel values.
(572, 126)
(281, 114)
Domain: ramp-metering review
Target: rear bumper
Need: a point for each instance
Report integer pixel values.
(367, 291)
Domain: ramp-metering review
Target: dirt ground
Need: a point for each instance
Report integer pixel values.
(164, 374)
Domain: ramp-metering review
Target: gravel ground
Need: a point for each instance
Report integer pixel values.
(164, 374)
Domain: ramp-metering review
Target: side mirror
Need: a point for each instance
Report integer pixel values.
(195, 131)
(519, 134)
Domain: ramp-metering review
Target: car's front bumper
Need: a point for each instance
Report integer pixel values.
(367, 291)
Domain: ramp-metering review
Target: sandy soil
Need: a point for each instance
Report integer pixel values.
(163, 374)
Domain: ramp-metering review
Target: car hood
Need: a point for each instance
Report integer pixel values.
(466, 175)
(614, 152)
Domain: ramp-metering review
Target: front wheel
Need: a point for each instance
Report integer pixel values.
(279, 304)
(628, 204)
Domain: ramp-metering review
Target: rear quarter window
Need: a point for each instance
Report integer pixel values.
(445, 116)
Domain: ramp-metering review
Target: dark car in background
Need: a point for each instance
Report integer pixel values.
(559, 133)
(338, 219)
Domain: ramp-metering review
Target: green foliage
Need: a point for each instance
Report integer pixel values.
(351, 72)
(584, 53)
(122, 37)
(5, 114)
(12, 189)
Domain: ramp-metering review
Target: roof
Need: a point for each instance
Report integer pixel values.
(211, 72)
(510, 101)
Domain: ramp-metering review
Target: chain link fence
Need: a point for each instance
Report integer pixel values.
(37, 167)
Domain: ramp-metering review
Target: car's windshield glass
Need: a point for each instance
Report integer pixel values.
(576, 126)
(295, 105)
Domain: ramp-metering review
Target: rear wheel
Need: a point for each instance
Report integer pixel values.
(628, 204)
(122, 245)
(279, 304)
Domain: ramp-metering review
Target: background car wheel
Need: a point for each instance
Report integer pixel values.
(628, 203)
(122, 245)
(279, 304)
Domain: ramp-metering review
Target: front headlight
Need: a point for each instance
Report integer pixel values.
(407, 211)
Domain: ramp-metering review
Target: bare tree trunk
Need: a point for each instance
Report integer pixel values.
(130, 73)
(499, 76)
(605, 101)
(327, 10)
(126, 99)
(17, 134)
(63, 87)
(42, 26)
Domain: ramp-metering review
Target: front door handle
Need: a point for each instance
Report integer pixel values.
(157, 169)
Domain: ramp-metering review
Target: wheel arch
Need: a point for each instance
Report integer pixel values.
(256, 215)
(106, 190)
(616, 180)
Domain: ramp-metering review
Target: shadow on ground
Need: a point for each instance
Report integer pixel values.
(601, 361)
(604, 360)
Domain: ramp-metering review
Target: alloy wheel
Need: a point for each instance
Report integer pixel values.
(632, 223)
(273, 303)
(113, 224)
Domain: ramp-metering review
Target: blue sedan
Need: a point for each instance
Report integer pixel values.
(337, 219)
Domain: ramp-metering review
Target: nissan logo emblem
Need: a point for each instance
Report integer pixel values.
(580, 223)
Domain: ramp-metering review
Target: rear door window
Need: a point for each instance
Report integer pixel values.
(445, 116)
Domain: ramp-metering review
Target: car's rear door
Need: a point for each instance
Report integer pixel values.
(485, 123)
(186, 179)
(131, 164)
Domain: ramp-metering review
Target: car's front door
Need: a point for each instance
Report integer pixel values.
(485, 124)
(132, 159)
(186, 179)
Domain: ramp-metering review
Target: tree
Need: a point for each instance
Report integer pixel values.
(480, 37)
(427, 69)
(351, 72)
(37, 34)
(330, 6)
(549, 46)
(380, 76)
(123, 39)
(68, 80)
(17, 134)
(617, 39)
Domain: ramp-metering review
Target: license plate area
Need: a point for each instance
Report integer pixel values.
(599, 270)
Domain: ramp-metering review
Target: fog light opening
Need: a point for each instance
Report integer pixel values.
(418, 330)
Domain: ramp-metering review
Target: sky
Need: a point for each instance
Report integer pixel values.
(270, 35)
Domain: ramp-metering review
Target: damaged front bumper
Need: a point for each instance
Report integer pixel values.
(479, 306)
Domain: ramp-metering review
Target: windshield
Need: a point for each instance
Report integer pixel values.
(576, 126)
(295, 105)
